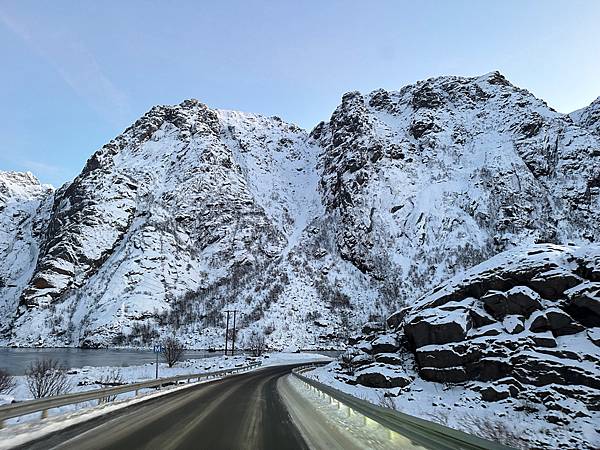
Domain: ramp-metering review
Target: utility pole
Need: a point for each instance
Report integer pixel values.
(233, 337)
(229, 311)
(227, 332)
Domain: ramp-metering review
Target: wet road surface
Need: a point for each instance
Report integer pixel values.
(239, 412)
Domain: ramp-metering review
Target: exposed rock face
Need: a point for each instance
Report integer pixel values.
(443, 174)
(380, 376)
(192, 210)
(24, 212)
(453, 341)
(184, 200)
(499, 330)
(588, 117)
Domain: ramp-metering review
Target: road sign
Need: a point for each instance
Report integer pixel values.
(158, 349)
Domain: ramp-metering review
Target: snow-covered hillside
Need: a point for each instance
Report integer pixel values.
(517, 336)
(24, 211)
(441, 175)
(192, 211)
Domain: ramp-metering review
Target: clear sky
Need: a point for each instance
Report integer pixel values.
(74, 74)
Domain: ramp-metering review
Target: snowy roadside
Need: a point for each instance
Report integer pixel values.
(29, 431)
(89, 378)
(462, 409)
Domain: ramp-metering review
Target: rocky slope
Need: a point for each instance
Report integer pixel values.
(588, 117)
(24, 212)
(517, 333)
(192, 211)
(443, 174)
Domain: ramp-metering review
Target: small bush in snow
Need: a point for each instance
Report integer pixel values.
(440, 416)
(346, 360)
(256, 343)
(385, 401)
(172, 351)
(7, 383)
(494, 429)
(46, 378)
(113, 377)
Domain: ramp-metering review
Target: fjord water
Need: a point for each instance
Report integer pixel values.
(16, 360)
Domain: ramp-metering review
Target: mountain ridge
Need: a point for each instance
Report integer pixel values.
(337, 224)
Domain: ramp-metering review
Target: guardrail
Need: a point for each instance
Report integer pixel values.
(422, 432)
(44, 404)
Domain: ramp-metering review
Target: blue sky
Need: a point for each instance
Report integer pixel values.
(74, 74)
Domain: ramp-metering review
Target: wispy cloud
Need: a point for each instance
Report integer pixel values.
(76, 65)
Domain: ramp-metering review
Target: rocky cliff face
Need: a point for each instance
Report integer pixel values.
(24, 212)
(519, 332)
(191, 211)
(441, 175)
(588, 117)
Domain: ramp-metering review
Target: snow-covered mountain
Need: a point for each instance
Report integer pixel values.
(192, 211)
(24, 212)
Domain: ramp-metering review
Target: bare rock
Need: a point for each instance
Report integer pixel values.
(519, 300)
(382, 376)
(438, 329)
(561, 323)
(554, 283)
(386, 343)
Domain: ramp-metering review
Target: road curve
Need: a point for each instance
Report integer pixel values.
(240, 412)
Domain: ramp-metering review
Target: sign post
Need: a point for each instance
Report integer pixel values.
(157, 349)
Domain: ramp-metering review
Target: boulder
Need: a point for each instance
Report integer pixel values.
(523, 301)
(553, 284)
(538, 322)
(438, 328)
(372, 328)
(494, 393)
(480, 318)
(519, 300)
(490, 368)
(545, 339)
(513, 324)
(362, 359)
(445, 375)
(440, 356)
(386, 343)
(396, 318)
(495, 303)
(586, 296)
(382, 376)
(561, 323)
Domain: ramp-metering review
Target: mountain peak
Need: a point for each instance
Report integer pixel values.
(396, 192)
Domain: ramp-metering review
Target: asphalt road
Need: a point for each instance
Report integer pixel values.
(240, 412)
